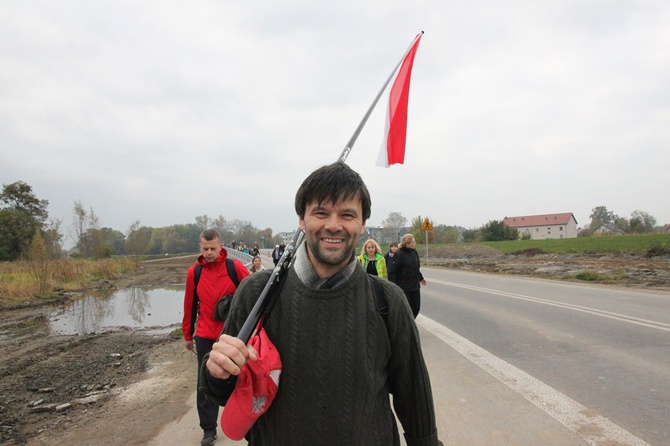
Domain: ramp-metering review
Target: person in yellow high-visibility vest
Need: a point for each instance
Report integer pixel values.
(372, 259)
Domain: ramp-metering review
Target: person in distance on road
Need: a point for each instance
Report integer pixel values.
(199, 308)
(389, 256)
(406, 272)
(372, 259)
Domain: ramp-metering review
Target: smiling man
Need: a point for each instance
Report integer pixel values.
(340, 357)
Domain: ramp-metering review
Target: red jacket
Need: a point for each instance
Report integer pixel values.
(213, 284)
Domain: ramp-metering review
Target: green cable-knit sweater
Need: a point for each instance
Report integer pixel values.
(340, 362)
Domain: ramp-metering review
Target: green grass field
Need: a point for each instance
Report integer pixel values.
(621, 244)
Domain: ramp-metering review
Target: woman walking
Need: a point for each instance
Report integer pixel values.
(372, 259)
(406, 272)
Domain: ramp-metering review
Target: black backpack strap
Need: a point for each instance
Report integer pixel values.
(380, 300)
(230, 266)
(196, 300)
(196, 277)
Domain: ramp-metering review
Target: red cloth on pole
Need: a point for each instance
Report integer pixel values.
(395, 137)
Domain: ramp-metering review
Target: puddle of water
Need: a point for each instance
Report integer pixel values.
(137, 308)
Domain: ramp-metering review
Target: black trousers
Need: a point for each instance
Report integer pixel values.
(414, 299)
(208, 411)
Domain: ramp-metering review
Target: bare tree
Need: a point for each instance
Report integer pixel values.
(220, 225)
(78, 227)
(395, 220)
(392, 226)
(99, 247)
(90, 239)
(53, 238)
(138, 239)
(641, 222)
(203, 222)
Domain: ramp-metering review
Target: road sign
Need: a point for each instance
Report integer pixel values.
(427, 225)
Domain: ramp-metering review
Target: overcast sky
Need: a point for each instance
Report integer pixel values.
(161, 111)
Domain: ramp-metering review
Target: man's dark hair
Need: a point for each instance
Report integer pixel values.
(333, 182)
(210, 234)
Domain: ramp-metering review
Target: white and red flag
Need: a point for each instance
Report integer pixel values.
(395, 135)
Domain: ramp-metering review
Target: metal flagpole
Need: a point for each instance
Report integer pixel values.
(263, 304)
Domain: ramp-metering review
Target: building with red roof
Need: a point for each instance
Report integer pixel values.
(545, 226)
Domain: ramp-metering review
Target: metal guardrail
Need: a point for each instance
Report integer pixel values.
(242, 257)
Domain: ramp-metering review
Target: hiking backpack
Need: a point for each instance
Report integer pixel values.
(230, 267)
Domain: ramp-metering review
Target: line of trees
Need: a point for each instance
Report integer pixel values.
(494, 230)
(175, 239)
(24, 219)
(640, 222)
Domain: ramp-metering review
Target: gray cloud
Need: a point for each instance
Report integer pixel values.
(161, 111)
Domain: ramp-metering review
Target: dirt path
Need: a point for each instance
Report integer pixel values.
(105, 389)
(121, 387)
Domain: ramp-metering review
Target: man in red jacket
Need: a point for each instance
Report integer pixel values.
(198, 324)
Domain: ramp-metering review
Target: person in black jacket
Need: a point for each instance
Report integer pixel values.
(393, 248)
(405, 271)
(276, 255)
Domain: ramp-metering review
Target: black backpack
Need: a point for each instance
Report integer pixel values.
(380, 300)
(230, 266)
(223, 302)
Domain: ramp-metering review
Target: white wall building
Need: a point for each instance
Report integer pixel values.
(286, 236)
(545, 226)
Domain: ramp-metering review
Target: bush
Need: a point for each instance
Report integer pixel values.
(593, 276)
(658, 250)
(495, 231)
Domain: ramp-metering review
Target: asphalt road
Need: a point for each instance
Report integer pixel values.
(603, 348)
(526, 362)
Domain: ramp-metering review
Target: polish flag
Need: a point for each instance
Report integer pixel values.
(393, 146)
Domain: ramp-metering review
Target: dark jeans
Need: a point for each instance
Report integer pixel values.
(414, 299)
(208, 411)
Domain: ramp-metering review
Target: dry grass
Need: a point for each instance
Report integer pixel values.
(18, 283)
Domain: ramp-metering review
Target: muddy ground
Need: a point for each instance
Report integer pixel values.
(113, 388)
(120, 387)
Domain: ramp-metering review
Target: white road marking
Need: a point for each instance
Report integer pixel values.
(608, 314)
(594, 429)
